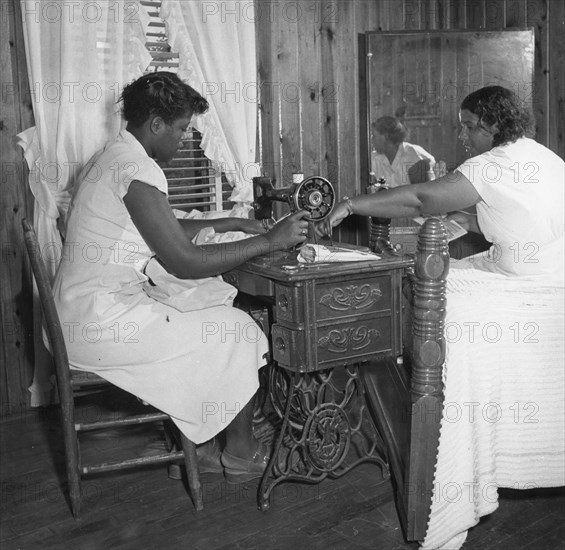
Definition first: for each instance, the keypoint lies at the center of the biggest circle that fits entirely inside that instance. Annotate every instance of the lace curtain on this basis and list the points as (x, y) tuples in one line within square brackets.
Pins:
[(78, 57), (216, 46)]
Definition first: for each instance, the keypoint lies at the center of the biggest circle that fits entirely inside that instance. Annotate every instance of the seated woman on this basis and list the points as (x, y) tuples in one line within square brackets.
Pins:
[(394, 159), (200, 367), (503, 417)]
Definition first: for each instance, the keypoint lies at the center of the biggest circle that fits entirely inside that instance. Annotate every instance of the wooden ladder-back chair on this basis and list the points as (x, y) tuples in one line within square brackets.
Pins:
[(71, 382)]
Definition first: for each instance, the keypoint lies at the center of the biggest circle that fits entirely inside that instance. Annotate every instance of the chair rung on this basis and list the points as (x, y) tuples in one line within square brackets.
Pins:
[(77, 385), (128, 421), (81, 379), (124, 464)]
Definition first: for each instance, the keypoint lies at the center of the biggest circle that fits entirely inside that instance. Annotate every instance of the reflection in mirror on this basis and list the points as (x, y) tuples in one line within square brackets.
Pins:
[(394, 158), (415, 84), (420, 78)]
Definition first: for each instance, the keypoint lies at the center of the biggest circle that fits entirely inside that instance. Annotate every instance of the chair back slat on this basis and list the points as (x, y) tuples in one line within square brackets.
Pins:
[(53, 324)]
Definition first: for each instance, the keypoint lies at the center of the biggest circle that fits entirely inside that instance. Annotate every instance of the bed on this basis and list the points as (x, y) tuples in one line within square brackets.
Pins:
[(477, 401)]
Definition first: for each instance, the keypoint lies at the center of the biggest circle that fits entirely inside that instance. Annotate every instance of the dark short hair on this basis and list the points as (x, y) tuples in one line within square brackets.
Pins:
[(161, 94), (498, 105), (391, 128)]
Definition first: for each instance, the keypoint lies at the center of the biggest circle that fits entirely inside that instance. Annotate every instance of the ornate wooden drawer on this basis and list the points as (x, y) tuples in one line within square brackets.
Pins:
[(324, 301), (329, 345)]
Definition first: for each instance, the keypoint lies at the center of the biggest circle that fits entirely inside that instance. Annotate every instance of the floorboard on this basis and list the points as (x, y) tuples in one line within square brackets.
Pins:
[(145, 510)]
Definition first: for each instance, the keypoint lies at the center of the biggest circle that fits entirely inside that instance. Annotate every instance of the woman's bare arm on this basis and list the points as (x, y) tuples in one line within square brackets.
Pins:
[(155, 221), (451, 192)]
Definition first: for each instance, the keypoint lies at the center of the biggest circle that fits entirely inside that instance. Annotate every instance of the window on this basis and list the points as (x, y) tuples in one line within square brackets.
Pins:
[(194, 181)]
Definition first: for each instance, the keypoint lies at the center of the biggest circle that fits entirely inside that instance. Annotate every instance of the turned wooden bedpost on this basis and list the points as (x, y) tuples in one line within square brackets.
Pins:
[(379, 228), (428, 356)]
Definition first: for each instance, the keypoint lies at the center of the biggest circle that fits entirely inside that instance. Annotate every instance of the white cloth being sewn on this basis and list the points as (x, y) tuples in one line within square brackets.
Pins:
[(186, 294), (317, 253)]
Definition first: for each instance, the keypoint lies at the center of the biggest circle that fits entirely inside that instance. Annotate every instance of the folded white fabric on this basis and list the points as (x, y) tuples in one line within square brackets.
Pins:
[(208, 235), (310, 253), (238, 211), (186, 294)]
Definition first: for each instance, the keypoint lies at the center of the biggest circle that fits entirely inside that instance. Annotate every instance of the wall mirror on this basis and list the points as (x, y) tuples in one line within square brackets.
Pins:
[(422, 77)]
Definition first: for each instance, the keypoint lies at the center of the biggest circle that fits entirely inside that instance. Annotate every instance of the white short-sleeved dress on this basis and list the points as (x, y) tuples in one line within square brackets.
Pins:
[(522, 185), (201, 366), (396, 174)]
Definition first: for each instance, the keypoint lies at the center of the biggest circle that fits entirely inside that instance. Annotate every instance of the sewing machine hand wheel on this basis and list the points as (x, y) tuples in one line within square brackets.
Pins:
[(315, 195)]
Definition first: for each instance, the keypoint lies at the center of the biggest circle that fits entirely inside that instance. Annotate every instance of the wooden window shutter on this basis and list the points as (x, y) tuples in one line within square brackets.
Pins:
[(194, 181)]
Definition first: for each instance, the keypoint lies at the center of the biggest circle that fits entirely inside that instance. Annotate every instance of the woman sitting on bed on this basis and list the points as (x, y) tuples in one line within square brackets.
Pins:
[(199, 366), (515, 183), (503, 417)]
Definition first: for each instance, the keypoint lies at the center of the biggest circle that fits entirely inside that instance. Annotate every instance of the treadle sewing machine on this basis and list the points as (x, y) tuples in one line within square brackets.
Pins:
[(337, 333), (326, 320), (314, 194)]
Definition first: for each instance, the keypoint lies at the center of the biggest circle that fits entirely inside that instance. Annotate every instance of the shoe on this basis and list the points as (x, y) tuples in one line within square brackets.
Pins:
[(209, 457), (209, 462), (241, 470)]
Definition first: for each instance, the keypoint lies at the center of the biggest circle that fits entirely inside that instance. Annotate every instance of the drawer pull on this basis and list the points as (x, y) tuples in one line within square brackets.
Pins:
[(280, 345), (283, 302)]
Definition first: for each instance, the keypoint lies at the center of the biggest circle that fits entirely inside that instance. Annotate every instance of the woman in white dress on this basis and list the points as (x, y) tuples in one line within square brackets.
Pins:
[(200, 366), (396, 160), (517, 187)]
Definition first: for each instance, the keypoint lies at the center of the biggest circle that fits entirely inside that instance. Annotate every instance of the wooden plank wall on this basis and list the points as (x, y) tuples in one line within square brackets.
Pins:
[(307, 53), (310, 121), (16, 338)]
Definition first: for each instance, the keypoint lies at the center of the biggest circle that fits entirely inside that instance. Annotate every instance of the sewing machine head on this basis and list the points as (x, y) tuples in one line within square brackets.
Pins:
[(314, 194)]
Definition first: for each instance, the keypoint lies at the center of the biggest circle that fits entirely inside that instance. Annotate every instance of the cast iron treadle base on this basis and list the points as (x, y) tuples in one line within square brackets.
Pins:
[(326, 428)]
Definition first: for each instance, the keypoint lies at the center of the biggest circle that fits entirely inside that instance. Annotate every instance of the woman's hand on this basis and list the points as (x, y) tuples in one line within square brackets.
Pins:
[(289, 231), (256, 227), (338, 214)]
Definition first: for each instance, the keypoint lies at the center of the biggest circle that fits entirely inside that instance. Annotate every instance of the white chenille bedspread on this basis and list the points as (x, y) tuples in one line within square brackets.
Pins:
[(503, 418)]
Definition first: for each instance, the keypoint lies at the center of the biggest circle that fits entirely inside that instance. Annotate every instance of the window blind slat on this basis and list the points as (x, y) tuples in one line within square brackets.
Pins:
[(164, 56), (187, 188), (196, 163), (179, 168), (193, 181)]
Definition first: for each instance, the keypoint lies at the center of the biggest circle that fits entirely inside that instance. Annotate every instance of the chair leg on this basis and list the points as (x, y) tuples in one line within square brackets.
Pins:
[(73, 474), (74, 492), (191, 464), (72, 461)]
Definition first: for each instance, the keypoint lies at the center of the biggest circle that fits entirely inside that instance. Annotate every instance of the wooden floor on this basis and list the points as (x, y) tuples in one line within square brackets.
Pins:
[(143, 509)]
